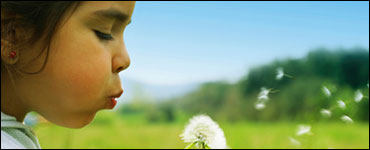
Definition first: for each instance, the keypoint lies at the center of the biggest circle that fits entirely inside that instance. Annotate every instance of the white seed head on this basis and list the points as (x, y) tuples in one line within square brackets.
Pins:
[(202, 128), (263, 95), (325, 112), (294, 142), (358, 96), (304, 129), (346, 119), (326, 91), (279, 73), (341, 104), (260, 105)]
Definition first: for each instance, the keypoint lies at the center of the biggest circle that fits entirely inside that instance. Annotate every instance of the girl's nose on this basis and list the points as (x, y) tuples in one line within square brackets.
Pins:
[(121, 60)]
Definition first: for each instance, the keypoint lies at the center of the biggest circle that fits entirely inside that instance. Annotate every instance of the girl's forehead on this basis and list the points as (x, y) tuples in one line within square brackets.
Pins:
[(91, 7)]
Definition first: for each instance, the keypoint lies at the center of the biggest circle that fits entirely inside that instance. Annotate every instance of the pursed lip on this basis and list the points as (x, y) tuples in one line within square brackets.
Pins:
[(116, 95), (112, 99), (111, 103)]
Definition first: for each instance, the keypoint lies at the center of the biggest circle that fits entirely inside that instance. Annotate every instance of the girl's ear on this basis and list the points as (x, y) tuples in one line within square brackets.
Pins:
[(9, 51), (9, 54)]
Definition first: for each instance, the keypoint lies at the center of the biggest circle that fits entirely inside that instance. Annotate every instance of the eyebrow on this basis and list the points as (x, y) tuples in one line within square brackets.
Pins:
[(113, 14)]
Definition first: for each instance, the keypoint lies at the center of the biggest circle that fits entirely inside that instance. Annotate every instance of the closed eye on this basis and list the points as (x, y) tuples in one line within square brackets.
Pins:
[(103, 36)]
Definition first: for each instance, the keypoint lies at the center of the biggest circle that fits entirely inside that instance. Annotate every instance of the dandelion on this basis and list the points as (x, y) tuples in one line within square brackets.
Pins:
[(294, 142), (358, 96), (304, 129), (204, 133), (280, 74), (325, 112), (341, 104), (326, 91), (260, 105), (346, 119), (263, 95)]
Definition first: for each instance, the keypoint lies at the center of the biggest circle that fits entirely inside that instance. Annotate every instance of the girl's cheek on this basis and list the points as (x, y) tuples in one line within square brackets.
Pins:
[(87, 80), (82, 77), (81, 67)]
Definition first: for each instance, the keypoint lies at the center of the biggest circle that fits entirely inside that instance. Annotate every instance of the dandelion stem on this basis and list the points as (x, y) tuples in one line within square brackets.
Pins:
[(274, 91), (206, 146), (190, 145), (289, 76)]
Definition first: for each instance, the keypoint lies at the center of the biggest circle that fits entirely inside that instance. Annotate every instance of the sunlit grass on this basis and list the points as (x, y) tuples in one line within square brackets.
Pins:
[(133, 132)]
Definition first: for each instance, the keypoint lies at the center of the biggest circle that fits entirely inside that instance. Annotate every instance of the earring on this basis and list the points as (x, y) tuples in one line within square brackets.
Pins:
[(8, 52), (12, 54)]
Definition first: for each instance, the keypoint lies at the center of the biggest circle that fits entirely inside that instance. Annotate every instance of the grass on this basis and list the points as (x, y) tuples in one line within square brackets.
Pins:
[(112, 131)]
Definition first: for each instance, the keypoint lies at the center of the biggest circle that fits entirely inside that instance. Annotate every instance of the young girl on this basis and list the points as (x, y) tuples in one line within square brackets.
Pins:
[(61, 60)]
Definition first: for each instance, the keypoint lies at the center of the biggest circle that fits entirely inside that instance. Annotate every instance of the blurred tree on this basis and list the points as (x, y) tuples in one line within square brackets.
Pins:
[(343, 71)]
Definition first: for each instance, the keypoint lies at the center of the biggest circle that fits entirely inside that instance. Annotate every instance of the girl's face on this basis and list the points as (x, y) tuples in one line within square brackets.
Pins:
[(85, 57)]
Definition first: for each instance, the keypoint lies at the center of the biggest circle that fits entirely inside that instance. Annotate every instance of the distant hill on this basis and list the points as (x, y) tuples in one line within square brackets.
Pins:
[(153, 92)]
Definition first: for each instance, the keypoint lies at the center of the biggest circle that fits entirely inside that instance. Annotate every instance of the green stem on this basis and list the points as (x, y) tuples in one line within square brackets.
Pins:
[(190, 145), (274, 91), (206, 146), (289, 76)]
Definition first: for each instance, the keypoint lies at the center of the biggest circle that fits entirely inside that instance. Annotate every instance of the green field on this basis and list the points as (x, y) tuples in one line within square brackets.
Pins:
[(112, 131)]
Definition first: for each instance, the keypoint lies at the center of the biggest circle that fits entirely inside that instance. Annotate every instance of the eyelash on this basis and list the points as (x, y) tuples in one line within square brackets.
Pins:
[(103, 36)]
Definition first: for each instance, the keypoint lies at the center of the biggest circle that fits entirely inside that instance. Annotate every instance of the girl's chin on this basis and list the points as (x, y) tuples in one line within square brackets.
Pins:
[(78, 121)]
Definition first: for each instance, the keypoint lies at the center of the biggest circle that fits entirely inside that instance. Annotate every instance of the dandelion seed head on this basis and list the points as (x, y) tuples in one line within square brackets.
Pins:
[(279, 73), (263, 95), (294, 142), (341, 104), (358, 96), (260, 106), (326, 91), (202, 128), (325, 112), (346, 119), (304, 129), (263, 98)]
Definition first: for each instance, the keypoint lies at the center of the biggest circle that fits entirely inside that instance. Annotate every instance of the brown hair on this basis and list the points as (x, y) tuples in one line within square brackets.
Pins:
[(41, 18)]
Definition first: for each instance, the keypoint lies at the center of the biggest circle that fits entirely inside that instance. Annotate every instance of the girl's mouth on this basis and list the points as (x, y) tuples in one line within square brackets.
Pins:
[(112, 102)]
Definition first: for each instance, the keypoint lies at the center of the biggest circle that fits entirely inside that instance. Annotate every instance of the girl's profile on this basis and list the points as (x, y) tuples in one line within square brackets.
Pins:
[(61, 60)]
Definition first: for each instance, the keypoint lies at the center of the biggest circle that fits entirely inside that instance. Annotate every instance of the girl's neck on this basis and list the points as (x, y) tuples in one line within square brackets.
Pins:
[(10, 104)]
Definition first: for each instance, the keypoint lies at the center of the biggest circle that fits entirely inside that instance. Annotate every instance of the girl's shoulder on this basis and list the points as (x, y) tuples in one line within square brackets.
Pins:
[(16, 135), (9, 142)]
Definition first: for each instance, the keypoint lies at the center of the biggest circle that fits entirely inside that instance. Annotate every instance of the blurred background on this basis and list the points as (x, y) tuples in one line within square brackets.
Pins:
[(213, 58)]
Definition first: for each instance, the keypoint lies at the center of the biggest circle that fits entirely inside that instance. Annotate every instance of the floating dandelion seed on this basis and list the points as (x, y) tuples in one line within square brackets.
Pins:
[(260, 106), (279, 74), (325, 112), (358, 96), (341, 104), (263, 95), (204, 133), (346, 119), (304, 129), (326, 91), (294, 142)]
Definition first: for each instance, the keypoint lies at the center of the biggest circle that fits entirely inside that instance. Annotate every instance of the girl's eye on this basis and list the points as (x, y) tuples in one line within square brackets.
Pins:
[(103, 36)]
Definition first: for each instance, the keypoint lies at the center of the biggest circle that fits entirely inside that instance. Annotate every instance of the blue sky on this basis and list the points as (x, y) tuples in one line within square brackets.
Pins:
[(173, 43)]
